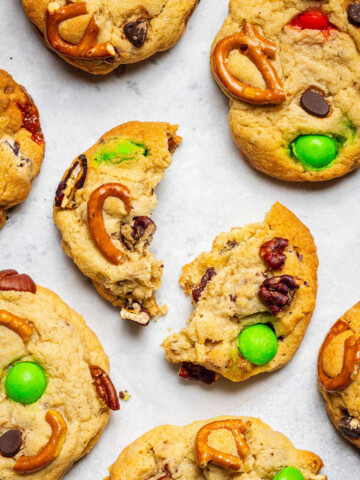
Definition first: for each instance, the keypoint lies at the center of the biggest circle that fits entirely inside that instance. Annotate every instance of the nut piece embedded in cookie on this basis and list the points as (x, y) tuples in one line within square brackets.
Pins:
[(220, 448), (99, 36), (246, 320), (338, 374), (103, 209), (22, 144), (54, 406), (303, 127)]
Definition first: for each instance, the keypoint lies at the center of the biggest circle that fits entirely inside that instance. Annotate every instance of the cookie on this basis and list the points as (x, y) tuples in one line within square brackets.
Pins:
[(290, 69), (103, 206), (98, 36), (22, 144), (241, 447), (338, 374), (253, 295), (55, 393)]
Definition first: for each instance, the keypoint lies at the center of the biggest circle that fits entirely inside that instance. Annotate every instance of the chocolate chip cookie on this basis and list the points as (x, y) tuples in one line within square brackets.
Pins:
[(221, 448), (103, 206), (253, 296), (22, 144), (55, 393), (98, 36), (290, 69), (338, 374)]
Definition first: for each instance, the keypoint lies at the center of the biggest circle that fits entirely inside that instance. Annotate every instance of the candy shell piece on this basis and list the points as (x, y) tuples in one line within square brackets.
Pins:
[(25, 383), (258, 344), (314, 151), (289, 473)]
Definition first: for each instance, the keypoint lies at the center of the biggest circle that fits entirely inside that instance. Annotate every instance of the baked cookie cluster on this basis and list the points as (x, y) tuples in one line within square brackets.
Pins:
[(53, 408), (253, 295), (103, 207), (22, 144), (338, 374), (98, 36), (293, 85), (221, 448)]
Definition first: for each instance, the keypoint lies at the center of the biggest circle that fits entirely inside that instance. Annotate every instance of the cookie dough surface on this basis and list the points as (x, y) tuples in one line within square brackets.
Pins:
[(163, 24), (326, 62), (132, 283), (21, 144), (167, 452), (343, 407), (64, 347), (230, 301)]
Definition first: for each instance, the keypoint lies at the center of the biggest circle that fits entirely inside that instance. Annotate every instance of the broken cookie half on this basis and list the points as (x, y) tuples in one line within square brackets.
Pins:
[(253, 296), (103, 207)]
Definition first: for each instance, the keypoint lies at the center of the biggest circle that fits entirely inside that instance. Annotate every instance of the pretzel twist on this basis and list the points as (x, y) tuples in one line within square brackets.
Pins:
[(16, 324), (96, 220), (351, 359), (87, 48), (258, 49), (206, 454), (51, 450)]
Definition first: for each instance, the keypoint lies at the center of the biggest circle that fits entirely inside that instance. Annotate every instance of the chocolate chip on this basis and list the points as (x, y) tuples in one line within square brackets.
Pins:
[(189, 371), (10, 443), (354, 14), (350, 427), (314, 104), (136, 32)]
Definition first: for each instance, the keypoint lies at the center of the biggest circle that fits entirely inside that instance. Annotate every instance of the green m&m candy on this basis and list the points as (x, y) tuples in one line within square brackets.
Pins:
[(314, 151), (118, 150), (289, 473), (25, 383), (258, 344)]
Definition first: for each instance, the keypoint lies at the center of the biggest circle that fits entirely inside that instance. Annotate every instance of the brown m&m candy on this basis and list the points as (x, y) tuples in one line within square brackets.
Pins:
[(314, 104), (354, 14), (10, 443)]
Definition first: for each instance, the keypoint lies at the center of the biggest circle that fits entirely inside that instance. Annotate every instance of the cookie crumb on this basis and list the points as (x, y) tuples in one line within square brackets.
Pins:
[(124, 395)]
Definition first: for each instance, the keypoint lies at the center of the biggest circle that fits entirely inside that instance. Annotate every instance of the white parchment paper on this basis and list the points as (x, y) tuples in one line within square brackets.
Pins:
[(208, 189)]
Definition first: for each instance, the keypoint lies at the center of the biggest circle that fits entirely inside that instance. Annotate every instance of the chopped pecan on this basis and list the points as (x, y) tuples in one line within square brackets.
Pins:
[(12, 280), (197, 291), (104, 387), (73, 180), (350, 427), (277, 292), (272, 253), (135, 312), (136, 32), (189, 371)]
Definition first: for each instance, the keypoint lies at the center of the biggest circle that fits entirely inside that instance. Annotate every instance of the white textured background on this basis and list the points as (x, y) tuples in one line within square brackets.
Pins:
[(208, 188)]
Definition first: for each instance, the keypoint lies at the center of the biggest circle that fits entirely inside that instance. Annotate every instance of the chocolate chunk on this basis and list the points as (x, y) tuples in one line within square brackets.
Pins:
[(314, 104), (136, 32), (350, 427), (354, 14), (10, 443), (189, 371)]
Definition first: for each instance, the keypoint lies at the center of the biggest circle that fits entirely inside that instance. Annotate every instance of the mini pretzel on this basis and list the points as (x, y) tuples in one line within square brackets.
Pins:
[(16, 324), (351, 359), (258, 49), (51, 450), (206, 454), (96, 220), (87, 48)]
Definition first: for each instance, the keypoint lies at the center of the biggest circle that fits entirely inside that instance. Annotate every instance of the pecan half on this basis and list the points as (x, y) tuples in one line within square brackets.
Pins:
[(12, 280), (135, 312), (350, 427), (136, 32), (142, 230), (272, 253), (104, 387), (277, 292), (73, 180), (189, 371), (197, 291)]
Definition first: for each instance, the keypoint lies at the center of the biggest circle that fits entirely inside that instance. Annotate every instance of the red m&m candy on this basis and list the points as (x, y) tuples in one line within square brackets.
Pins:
[(313, 20)]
